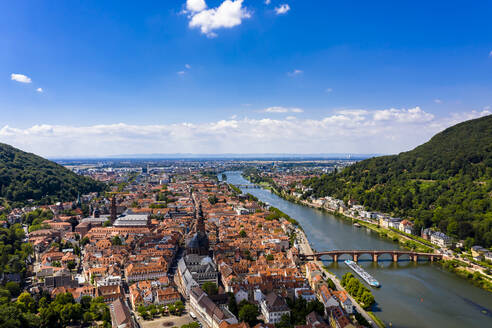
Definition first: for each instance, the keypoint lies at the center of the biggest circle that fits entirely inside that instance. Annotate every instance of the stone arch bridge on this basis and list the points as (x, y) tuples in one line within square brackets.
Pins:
[(355, 254)]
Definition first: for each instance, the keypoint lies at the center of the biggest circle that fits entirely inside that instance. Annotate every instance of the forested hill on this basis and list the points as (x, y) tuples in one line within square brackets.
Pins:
[(25, 176), (445, 183)]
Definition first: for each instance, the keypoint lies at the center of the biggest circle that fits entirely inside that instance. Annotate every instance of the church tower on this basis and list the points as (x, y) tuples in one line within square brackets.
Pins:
[(112, 216), (198, 244)]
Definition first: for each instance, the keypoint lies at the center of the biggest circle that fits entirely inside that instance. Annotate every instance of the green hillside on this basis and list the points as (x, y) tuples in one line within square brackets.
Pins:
[(25, 176), (445, 183)]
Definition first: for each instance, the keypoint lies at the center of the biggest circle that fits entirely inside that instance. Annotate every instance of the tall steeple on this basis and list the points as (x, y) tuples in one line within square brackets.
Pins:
[(113, 209), (198, 244), (200, 223)]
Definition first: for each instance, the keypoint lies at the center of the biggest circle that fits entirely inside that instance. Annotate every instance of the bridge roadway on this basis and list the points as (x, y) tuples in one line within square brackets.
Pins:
[(395, 255)]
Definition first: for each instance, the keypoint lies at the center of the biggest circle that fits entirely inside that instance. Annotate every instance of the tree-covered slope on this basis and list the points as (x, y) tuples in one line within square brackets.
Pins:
[(445, 183), (26, 176)]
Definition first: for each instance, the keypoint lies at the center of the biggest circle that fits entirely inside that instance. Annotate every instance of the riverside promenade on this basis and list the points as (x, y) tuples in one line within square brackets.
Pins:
[(305, 249)]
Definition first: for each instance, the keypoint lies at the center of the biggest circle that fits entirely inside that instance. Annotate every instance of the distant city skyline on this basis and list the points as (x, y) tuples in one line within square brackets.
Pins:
[(121, 77)]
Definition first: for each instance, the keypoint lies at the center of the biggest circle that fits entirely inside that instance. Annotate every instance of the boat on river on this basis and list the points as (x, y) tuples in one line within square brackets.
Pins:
[(362, 273)]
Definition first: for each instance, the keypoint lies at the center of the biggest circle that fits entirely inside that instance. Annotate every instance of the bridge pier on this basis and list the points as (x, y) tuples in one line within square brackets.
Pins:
[(355, 257), (335, 257), (375, 257), (395, 257), (415, 258)]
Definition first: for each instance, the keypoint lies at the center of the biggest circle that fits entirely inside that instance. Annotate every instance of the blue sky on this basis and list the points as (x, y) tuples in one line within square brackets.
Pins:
[(239, 76)]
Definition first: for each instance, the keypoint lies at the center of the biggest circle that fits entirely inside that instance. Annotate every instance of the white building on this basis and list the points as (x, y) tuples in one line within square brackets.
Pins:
[(406, 226), (109, 281), (241, 295), (440, 239), (273, 307)]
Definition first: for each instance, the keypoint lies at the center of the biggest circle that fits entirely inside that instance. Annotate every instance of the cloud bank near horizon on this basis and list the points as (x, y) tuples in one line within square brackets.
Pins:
[(344, 131)]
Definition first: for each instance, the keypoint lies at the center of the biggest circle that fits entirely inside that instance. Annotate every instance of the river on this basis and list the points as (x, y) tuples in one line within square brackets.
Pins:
[(412, 294)]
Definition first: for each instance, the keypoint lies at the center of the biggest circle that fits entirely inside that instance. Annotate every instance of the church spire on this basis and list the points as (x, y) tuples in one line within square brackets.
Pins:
[(113, 209), (200, 223)]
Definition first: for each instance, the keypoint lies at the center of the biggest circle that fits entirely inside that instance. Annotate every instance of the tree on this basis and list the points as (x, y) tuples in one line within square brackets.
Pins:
[(315, 306), (71, 265), (210, 288), (26, 302), (193, 324), (84, 241), (249, 314), (284, 322), (331, 284), (87, 317), (116, 240), (179, 308), (11, 316), (242, 234), (232, 304), (73, 222), (85, 301), (13, 288), (368, 299), (213, 199)]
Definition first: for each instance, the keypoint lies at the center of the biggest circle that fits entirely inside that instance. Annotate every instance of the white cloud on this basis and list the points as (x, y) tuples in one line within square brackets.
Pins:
[(295, 72), (343, 131), (181, 73), (282, 9), (490, 53), (267, 2), (20, 78), (413, 115), (230, 13), (280, 109), (328, 90), (438, 101), (39, 90), (187, 66), (195, 5)]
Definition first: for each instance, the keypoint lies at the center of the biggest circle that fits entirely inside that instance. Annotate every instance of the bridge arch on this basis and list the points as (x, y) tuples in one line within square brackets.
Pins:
[(406, 257), (384, 256), (365, 257)]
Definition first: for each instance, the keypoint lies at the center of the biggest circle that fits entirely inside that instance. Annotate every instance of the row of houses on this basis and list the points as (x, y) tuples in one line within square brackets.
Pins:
[(359, 212)]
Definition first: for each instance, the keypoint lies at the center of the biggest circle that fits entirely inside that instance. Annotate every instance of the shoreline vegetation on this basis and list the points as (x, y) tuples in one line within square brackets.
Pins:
[(414, 243)]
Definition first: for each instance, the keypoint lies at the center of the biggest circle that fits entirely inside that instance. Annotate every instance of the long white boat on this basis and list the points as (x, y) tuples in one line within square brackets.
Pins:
[(362, 273)]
